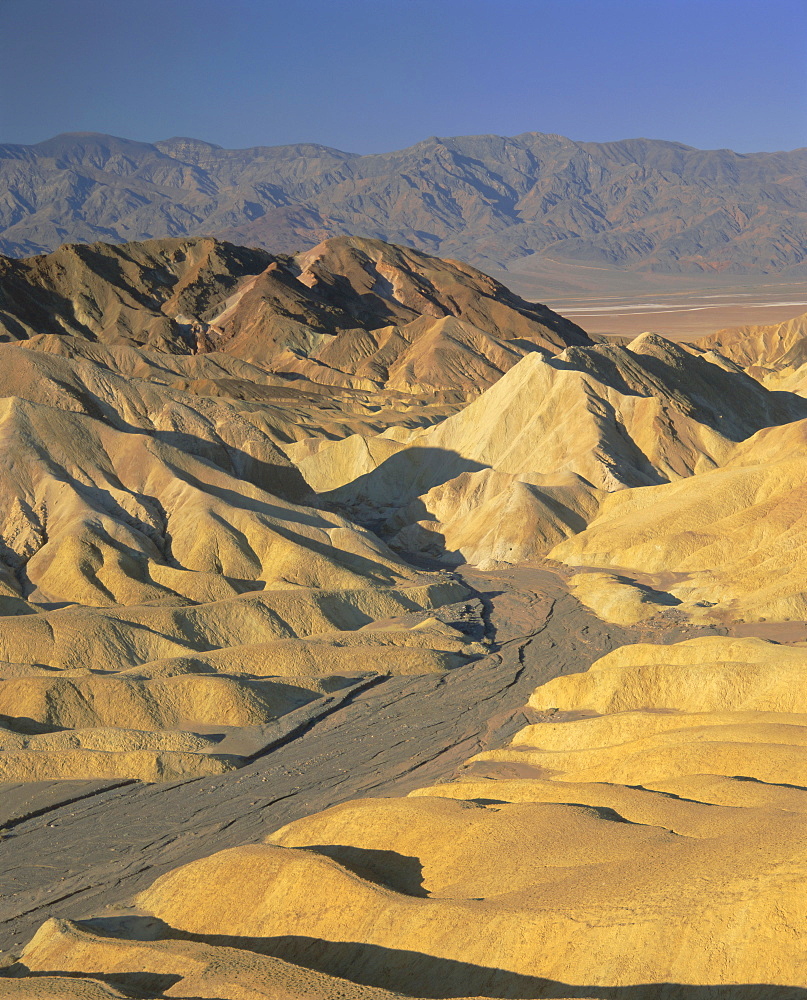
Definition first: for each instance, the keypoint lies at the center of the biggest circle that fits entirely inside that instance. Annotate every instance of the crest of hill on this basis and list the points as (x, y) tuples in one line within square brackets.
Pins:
[(349, 312), (618, 416), (639, 203), (724, 545), (528, 462)]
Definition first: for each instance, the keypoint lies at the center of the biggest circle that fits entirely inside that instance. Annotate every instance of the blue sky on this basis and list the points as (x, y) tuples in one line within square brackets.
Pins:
[(377, 75)]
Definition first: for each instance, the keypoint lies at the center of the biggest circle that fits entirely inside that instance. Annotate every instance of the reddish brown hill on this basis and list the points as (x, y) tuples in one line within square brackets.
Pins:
[(350, 308)]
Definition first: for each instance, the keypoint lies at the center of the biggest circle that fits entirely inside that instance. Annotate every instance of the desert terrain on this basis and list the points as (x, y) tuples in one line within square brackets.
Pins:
[(369, 629), (619, 303)]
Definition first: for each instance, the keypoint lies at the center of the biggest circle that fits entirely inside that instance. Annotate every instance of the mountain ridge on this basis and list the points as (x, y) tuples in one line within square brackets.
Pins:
[(197, 295), (491, 200)]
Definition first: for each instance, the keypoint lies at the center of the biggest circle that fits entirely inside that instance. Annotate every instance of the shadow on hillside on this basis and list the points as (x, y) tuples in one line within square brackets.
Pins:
[(398, 872), (414, 973), (404, 476), (650, 594), (284, 481)]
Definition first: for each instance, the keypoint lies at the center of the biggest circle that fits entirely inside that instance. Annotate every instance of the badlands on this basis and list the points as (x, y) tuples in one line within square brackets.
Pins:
[(369, 631)]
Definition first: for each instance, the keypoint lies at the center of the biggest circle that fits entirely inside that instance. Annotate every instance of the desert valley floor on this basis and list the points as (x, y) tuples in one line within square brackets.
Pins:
[(369, 631)]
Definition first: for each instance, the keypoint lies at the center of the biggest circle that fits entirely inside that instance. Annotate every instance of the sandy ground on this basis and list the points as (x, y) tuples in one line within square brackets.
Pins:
[(75, 849), (684, 321), (680, 307)]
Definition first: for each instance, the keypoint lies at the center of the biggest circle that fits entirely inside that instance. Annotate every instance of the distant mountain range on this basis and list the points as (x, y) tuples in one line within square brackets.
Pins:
[(489, 200)]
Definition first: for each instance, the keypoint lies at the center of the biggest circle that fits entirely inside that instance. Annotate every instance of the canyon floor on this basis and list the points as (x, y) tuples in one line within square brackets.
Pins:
[(75, 849)]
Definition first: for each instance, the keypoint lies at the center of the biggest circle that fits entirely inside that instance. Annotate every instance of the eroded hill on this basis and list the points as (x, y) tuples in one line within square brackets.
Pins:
[(235, 490)]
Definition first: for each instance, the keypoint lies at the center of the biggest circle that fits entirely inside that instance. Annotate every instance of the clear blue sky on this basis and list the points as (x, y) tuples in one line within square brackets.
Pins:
[(377, 75)]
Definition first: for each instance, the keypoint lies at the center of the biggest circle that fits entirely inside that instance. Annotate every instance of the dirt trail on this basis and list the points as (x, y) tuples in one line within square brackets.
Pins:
[(71, 849)]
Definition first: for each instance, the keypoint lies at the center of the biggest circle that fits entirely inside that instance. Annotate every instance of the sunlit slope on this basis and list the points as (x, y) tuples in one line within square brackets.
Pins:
[(757, 346), (726, 544), (151, 691), (528, 463)]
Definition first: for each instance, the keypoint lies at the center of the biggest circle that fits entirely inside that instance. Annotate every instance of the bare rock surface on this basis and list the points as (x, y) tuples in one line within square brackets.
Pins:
[(637, 839), (536, 457), (349, 311), (756, 346), (260, 738), (726, 545), (166, 595)]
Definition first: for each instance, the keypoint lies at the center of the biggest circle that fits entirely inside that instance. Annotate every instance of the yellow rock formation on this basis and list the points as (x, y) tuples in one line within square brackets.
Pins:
[(778, 345), (126, 692), (527, 464), (195, 969), (194, 454), (723, 545)]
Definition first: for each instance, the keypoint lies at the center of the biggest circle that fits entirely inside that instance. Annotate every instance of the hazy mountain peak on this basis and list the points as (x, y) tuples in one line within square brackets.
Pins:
[(185, 148)]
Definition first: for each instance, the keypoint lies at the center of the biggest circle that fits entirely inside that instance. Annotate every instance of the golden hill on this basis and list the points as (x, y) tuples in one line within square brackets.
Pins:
[(151, 396), (724, 545), (217, 466), (528, 463), (756, 346), (158, 575)]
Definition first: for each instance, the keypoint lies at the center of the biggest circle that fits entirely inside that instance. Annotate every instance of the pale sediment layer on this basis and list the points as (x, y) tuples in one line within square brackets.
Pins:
[(151, 692)]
